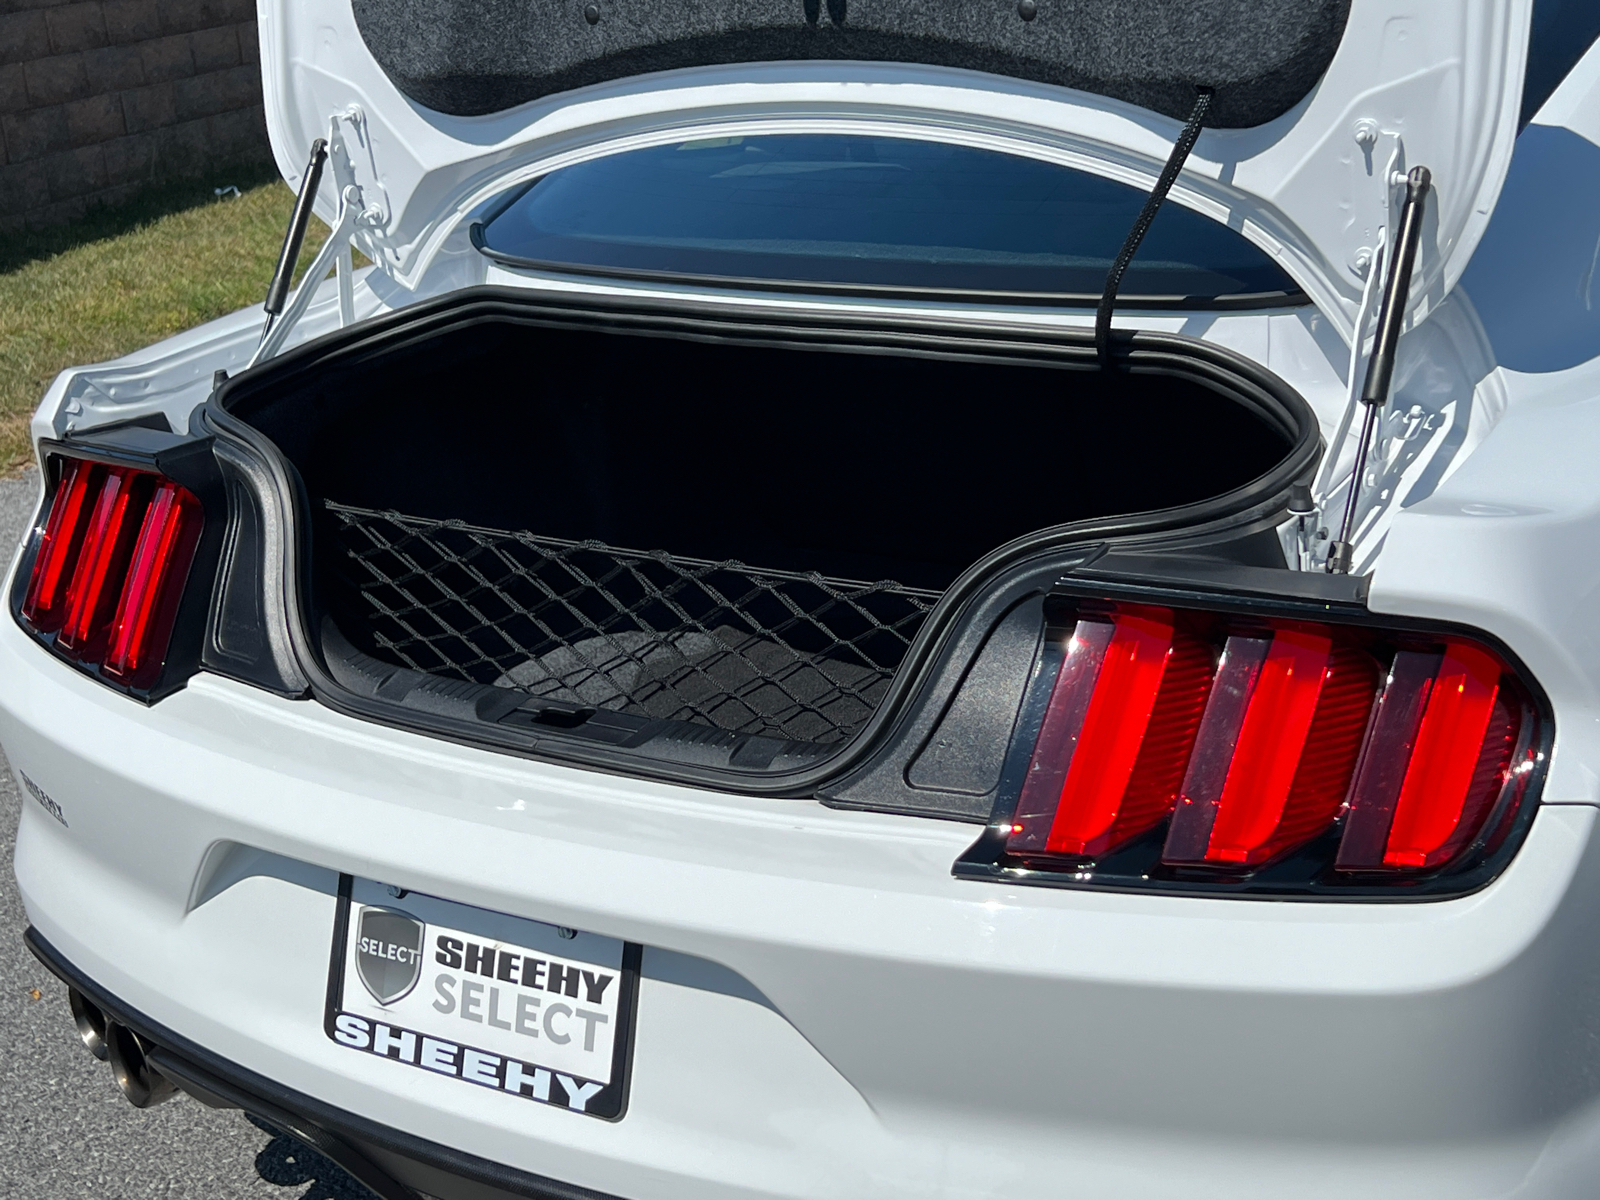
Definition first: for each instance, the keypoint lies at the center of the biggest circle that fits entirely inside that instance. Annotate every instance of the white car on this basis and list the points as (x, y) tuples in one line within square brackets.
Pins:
[(776, 645)]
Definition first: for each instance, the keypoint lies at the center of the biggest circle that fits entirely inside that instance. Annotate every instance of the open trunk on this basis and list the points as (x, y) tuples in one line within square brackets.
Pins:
[(703, 540)]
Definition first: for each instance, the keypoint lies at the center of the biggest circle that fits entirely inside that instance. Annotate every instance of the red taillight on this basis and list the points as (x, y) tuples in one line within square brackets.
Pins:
[(46, 604), (1223, 746), (110, 567), (101, 565), (148, 606), (1289, 752), (1446, 708), (1116, 736)]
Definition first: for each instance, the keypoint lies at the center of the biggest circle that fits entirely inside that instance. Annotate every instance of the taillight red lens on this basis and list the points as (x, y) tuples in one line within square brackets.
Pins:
[(1447, 709), (1224, 746), (46, 604), (110, 566), (1289, 752), (1116, 736), (102, 561), (149, 604)]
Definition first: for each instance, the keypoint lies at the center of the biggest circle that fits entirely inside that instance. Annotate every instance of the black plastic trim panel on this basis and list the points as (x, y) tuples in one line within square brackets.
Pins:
[(395, 1164), (247, 637)]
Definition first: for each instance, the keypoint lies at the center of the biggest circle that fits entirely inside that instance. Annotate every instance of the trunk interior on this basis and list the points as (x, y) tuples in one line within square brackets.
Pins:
[(625, 534)]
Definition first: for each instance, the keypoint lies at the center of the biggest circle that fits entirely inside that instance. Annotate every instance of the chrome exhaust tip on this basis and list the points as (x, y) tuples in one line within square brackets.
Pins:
[(140, 1082), (91, 1023)]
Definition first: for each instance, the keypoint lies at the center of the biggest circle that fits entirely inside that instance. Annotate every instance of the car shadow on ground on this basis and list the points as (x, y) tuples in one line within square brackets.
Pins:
[(289, 1163), (159, 200)]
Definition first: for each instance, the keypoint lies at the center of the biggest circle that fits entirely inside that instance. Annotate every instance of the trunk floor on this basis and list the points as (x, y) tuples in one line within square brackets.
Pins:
[(719, 644)]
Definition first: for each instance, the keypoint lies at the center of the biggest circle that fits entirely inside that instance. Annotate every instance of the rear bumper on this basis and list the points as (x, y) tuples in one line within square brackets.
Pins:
[(824, 1011), (394, 1165)]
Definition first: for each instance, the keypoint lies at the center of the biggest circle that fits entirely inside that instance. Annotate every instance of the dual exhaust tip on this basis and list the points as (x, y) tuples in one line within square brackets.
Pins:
[(125, 1050)]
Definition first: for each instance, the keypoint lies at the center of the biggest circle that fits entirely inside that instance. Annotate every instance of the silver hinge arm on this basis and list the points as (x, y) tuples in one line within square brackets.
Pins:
[(339, 240), (354, 210)]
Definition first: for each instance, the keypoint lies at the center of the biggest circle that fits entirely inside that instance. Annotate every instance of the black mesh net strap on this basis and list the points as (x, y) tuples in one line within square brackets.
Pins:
[(720, 644)]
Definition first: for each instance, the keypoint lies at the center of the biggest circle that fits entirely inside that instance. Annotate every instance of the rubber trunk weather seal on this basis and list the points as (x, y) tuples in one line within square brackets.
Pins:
[(1043, 554), (1227, 302)]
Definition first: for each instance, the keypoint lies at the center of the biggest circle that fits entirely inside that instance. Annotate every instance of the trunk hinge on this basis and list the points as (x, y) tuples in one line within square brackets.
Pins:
[(1371, 198), (354, 213)]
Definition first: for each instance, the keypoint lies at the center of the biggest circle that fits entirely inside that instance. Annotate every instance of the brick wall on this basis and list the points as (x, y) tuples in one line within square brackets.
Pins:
[(100, 99)]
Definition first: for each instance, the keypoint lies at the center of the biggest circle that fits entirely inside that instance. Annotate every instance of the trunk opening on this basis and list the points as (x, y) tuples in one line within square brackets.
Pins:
[(699, 547)]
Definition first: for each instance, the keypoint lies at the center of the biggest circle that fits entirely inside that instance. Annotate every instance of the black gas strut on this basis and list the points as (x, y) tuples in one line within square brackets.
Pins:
[(278, 289), (1380, 367), (1152, 205)]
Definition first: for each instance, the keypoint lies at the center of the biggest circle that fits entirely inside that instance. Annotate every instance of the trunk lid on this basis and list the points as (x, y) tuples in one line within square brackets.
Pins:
[(435, 106)]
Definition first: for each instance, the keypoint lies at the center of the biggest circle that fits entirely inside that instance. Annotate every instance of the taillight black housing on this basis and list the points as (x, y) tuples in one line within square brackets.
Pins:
[(1198, 750), (115, 578)]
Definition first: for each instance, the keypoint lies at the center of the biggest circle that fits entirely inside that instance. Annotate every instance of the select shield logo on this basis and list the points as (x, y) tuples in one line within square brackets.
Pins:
[(389, 953)]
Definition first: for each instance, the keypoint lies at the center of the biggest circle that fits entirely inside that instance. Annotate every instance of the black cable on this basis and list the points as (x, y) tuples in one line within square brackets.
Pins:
[(1147, 215)]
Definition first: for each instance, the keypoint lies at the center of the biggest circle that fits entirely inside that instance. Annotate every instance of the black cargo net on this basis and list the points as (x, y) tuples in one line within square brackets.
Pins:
[(720, 644)]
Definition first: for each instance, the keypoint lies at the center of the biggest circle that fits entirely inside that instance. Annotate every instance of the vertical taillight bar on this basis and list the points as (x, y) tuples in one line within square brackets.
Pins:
[(1435, 795), (1440, 749), (1236, 824), (1059, 734), (1116, 736), (1290, 761), (1114, 729), (92, 593), (149, 602), (45, 605)]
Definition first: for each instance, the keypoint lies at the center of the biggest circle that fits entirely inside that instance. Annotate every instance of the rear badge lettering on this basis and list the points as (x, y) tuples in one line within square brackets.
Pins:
[(39, 794)]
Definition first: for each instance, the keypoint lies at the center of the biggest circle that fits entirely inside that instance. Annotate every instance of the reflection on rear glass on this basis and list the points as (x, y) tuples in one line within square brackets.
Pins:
[(872, 211)]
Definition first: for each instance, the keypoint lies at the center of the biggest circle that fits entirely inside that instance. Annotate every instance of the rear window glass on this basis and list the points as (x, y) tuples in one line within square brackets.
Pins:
[(1562, 32), (870, 212)]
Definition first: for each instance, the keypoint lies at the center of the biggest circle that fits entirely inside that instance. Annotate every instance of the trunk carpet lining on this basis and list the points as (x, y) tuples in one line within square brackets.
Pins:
[(469, 57)]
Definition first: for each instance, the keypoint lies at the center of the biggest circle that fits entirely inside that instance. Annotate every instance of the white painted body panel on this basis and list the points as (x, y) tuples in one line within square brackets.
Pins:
[(826, 1012), (849, 1019)]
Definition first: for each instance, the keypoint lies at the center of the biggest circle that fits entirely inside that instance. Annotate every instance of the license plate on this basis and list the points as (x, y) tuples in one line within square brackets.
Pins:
[(524, 1009)]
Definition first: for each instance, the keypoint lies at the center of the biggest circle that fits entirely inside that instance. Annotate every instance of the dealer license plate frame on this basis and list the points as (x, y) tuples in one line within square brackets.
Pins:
[(610, 1104)]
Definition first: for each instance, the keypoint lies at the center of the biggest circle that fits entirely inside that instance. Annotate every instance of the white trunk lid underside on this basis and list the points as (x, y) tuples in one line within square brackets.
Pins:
[(1436, 84)]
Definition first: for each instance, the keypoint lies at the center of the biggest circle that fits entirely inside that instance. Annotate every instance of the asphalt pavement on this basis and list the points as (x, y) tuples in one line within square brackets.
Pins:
[(65, 1130)]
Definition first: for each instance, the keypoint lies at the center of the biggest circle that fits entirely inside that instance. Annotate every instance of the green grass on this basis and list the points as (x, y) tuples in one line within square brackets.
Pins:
[(123, 278)]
